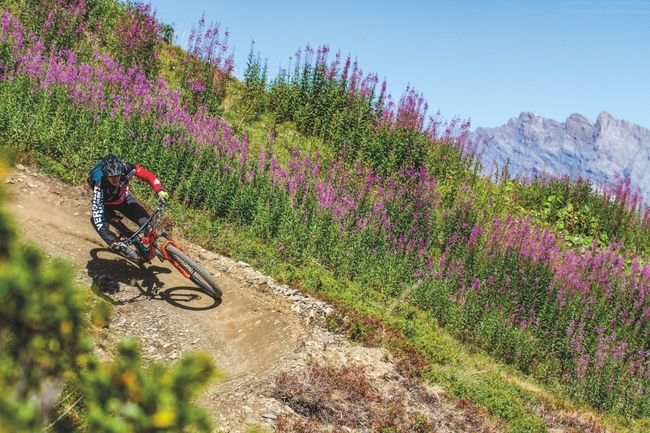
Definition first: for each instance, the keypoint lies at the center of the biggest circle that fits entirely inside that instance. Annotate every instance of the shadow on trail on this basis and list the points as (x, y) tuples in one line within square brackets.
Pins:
[(107, 274)]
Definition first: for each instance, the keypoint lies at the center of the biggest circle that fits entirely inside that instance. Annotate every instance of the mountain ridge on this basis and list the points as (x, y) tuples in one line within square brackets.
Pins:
[(602, 151)]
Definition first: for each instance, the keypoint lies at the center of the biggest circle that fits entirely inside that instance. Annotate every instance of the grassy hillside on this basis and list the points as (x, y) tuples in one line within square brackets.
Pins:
[(515, 294)]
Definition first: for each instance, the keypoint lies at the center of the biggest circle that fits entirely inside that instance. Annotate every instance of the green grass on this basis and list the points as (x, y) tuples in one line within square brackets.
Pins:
[(427, 352)]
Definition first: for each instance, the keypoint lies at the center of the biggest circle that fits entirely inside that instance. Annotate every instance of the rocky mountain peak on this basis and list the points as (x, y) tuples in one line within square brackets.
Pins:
[(598, 150), (529, 117), (580, 128), (606, 120)]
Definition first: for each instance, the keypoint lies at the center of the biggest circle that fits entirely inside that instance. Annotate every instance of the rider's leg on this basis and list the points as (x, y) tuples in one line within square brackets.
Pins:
[(110, 215), (133, 210)]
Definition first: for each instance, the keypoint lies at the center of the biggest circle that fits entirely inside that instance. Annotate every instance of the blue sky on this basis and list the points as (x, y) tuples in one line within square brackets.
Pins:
[(483, 60)]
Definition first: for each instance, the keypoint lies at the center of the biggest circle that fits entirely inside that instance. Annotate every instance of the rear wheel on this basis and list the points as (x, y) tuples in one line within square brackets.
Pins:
[(197, 274)]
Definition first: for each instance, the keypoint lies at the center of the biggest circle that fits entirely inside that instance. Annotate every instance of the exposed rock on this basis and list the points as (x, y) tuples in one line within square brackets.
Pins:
[(578, 147)]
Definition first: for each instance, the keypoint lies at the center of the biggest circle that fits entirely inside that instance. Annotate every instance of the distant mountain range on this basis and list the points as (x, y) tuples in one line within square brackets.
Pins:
[(578, 146)]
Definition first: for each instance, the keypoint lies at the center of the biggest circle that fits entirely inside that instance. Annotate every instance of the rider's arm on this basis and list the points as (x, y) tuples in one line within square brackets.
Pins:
[(98, 216), (146, 175)]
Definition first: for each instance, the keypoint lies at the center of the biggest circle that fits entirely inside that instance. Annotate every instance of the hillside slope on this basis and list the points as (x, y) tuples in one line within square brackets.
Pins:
[(259, 330)]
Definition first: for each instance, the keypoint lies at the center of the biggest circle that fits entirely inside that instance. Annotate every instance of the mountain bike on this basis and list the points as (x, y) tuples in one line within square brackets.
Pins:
[(147, 242)]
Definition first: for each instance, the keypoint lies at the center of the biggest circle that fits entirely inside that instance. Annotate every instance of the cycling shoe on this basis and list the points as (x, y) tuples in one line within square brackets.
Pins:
[(127, 253)]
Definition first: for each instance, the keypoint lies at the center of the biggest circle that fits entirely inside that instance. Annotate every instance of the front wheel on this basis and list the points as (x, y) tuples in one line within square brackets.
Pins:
[(197, 274)]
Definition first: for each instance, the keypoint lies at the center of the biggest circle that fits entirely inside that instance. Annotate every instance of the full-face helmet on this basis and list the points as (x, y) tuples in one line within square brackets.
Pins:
[(112, 166)]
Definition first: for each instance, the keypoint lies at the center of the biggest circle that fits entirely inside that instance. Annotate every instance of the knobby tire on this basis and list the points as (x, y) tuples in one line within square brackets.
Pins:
[(197, 274)]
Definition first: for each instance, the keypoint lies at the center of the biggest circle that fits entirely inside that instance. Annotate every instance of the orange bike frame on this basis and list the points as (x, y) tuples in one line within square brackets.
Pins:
[(170, 258)]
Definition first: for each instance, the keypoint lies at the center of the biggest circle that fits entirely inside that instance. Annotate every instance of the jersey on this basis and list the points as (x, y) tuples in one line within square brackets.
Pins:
[(105, 194)]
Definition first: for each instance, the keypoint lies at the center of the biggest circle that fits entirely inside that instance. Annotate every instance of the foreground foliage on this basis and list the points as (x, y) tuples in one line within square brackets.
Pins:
[(49, 375)]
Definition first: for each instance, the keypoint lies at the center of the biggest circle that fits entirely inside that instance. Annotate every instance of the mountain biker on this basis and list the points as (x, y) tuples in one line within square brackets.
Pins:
[(109, 180)]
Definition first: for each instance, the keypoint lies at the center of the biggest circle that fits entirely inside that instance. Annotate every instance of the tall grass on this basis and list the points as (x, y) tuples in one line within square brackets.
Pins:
[(337, 103)]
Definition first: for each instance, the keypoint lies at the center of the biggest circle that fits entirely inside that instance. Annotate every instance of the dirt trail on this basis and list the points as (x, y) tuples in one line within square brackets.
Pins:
[(258, 330), (249, 332)]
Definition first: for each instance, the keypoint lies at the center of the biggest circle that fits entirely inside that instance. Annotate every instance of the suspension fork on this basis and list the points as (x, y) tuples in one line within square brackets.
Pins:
[(171, 259)]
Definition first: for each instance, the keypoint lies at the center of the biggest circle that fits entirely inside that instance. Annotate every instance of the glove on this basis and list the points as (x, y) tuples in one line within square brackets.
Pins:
[(162, 197), (118, 246), (121, 248)]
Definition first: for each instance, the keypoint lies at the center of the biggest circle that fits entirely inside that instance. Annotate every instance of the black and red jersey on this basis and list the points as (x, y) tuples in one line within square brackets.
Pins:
[(106, 194)]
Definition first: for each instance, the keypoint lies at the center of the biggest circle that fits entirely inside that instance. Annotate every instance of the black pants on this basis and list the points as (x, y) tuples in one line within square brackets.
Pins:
[(130, 208)]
